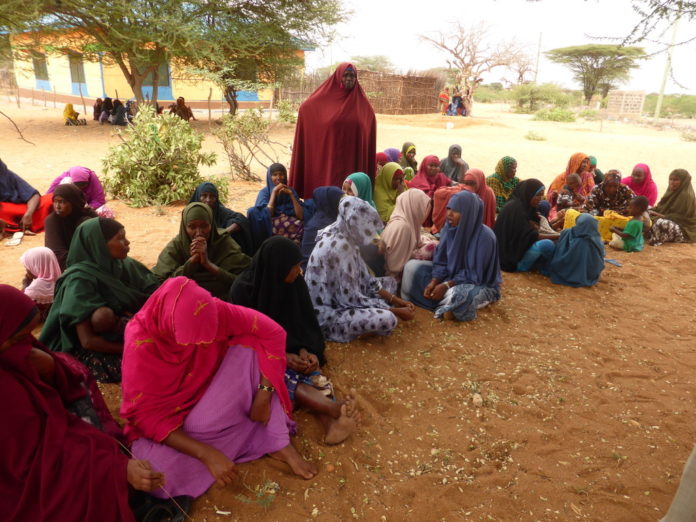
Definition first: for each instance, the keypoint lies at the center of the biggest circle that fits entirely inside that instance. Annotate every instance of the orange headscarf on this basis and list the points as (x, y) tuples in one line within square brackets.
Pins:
[(586, 185)]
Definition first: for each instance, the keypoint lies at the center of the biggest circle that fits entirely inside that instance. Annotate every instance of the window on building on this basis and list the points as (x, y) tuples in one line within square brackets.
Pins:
[(163, 79), (40, 66), (77, 69)]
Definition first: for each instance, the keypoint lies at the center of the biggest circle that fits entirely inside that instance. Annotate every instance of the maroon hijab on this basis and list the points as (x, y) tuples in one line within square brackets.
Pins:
[(55, 465), (335, 136)]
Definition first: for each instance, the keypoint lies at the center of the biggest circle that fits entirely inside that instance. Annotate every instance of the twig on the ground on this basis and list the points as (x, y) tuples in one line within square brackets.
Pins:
[(21, 136)]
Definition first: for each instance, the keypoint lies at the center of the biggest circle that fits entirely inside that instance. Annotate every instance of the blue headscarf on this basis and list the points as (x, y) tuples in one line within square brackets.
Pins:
[(326, 200), (283, 203), (467, 253), (393, 154), (579, 256)]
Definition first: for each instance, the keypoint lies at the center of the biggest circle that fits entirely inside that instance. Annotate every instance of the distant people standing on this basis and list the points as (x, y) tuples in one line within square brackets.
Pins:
[(336, 134), (444, 100)]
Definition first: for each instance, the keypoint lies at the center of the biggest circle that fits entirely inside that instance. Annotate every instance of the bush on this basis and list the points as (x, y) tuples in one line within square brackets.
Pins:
[(688, 136), (531, 96), (491, 94), (157, 163), (533, 136), (555, 114), (588, 114), (287, 112)]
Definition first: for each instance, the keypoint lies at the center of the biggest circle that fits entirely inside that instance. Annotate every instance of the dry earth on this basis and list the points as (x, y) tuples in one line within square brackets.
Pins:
[(588, 394)]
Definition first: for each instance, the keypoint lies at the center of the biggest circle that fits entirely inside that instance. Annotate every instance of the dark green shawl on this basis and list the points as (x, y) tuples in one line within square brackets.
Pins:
[(680, 205), (93, 279), (222, 251)]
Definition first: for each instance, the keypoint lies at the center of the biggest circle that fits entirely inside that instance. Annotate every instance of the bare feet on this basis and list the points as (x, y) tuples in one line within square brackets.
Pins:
[(340, 429), (297, 463)]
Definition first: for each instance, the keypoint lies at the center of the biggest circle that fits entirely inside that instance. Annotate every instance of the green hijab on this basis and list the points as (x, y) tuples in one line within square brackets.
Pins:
[(680, 205), (363, 183), (385, 195), (223, 251), (93, 279)]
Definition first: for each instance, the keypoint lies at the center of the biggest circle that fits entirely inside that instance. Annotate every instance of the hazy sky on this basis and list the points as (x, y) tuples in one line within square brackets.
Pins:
[(392, 28)]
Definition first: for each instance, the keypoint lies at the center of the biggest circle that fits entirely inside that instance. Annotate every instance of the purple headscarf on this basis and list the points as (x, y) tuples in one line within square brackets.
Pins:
[(393, 154), (467, 253), (94, 192)]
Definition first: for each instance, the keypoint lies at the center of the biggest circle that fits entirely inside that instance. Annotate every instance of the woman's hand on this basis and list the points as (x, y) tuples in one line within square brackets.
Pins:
[(655, 214), (220, 466), (429, 289), (140, 475), (405, 314), (199, 247), (439, 292), (296, 363), (401, 303), (311, 360)]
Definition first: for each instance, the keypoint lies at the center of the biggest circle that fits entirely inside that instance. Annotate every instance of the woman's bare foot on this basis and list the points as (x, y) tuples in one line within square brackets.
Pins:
[(340, 429), (297, 463)]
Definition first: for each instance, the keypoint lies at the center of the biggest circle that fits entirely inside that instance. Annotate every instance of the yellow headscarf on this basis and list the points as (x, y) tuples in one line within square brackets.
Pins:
[(385, 195), (69, 112)]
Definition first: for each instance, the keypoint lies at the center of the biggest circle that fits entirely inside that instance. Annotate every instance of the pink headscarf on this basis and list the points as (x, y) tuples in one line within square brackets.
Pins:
[(175, 344), (42, 263), (94, 192), (485, 193), (648, 188), (425, 183)]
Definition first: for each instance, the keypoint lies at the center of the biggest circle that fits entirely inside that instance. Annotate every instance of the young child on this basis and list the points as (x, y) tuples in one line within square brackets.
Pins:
[(630, 238), (569, 196)]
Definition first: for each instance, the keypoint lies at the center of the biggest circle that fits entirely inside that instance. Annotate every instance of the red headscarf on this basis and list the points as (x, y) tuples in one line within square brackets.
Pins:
[(336, 135), (175, 344), (56, 466), (426, 183), (485, 193), (381, 158), (648, 188)]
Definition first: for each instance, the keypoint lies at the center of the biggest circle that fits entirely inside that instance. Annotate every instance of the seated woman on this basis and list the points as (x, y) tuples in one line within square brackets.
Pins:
[(348, 301), (429, 177), (597, 175), (675, 213), (579, 163), (119, 114), (72, 117), (202, 252), (107, 110), (21, 205), (42, 272), (407, 159), (234, 223), (203, 389), (579, 256), (273, 285), (388, 185), (453, 165), (393, 154), (381, 159), (278, 210), (402, 235), (69, 211), (521, 244), (100, 289), (359, 185), (65, 463), (465, 273), (326, 200), (182, 110), (610, 194), (440, 201), (97, 108), (87, 181), (475, 181), (641, 183), (503, 181)]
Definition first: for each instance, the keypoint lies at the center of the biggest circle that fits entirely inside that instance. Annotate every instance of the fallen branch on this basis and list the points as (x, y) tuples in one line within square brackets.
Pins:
[(21, 136)]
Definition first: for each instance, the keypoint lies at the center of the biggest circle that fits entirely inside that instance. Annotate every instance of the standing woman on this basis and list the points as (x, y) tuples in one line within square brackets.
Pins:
[(675, 213), (444, 100), (347, 299), (234, 223), (641, 183), (453, 165), (520, 243), (503, 181), (202, 252), (100, 289), (388, 185), (359, 185), (465, 273), (69, 211), (475, 181)]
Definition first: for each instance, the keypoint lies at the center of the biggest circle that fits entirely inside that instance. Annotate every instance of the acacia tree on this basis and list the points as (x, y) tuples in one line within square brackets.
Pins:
[(469, 52), (595, 64)]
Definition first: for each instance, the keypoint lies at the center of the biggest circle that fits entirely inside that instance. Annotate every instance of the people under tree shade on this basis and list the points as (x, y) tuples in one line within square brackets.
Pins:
[(69, 212), (335, 135), (475, 181), (453, 165), (65, 462), (522, 246), (71, 116), (402, 235), (87, 181), (464, 275), (610, 194), (234, 223), (676, 212), (503, 181), (359, 184), (107, 110), (348, 300), (96, 294), (579, 256), (119, 114), (326, 201), (641, 183), (202, 252), (278, 211), (273, 284), (388, 185), (21, 205), (579, 164), (203, 389)]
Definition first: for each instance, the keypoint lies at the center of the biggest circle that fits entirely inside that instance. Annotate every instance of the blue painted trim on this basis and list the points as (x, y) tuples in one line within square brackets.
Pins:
[(163, 93), (250, 96), (76, 89), (43, 85), (101, 73)]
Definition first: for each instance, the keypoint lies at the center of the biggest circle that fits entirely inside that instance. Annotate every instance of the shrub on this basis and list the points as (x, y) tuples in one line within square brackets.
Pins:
[(531, 96), (493, 93), (588, 114), (688, 136), (533, 136), (157, 163), (555, 114), (287, 112)]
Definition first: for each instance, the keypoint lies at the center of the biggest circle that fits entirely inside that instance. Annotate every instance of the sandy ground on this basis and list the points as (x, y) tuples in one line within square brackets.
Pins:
[(588, 394)]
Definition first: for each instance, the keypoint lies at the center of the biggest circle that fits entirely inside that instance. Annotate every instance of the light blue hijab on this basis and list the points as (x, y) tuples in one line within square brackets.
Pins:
[(579, 256)]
